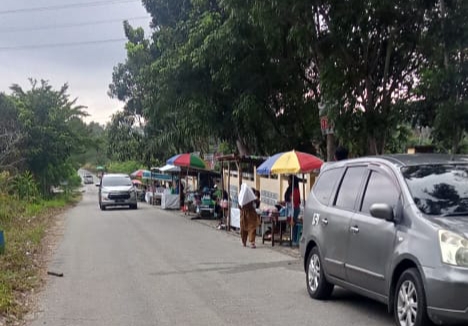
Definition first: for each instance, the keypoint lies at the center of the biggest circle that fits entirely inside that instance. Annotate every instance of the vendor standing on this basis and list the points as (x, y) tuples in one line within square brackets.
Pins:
[(293, 208)]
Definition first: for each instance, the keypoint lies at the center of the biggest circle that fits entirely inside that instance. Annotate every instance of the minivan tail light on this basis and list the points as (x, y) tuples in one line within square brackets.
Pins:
[(454, 248)]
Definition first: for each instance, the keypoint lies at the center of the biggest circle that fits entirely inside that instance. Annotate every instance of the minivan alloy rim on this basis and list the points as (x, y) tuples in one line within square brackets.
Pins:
[(407, 304), (314, 272)]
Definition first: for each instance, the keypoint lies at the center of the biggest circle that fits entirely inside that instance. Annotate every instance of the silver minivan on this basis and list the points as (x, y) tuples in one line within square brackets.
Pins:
[(117, 190), (395, 229)]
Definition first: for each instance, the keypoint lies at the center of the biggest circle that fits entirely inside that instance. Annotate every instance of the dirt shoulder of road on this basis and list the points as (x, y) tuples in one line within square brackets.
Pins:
[(27, 286), (50, 242)]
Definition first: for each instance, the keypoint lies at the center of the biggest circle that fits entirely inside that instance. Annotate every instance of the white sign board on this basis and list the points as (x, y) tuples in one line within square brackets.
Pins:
[(235, 217)]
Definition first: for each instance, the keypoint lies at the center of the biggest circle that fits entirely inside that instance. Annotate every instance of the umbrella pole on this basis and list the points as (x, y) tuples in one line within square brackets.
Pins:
[(292, 217), (303, 189), (222, 190), (152, 187), (186, 186), (228, 227)]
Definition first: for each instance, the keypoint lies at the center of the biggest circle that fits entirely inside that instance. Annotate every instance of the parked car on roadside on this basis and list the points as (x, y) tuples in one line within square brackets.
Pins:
[(395, 229), (117, 190)]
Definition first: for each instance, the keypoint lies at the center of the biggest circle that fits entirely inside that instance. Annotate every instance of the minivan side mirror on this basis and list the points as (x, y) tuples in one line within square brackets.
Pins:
[(383, 211)]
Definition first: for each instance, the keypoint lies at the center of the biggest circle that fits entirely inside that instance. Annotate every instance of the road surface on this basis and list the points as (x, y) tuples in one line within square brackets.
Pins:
[(153, 267)]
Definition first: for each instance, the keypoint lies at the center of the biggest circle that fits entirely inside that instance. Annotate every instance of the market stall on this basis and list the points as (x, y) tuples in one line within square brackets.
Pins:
[(170, 201), (185, 162), (244, 172), (152, 182), (292, 163)]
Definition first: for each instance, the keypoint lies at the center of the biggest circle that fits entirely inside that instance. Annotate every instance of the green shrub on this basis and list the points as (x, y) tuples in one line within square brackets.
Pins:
[(124, 167), (25, 187)]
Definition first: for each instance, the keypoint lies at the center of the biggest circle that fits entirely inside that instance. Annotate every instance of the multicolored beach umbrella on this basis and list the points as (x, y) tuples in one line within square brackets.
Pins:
[(187, 160), (290, 163)]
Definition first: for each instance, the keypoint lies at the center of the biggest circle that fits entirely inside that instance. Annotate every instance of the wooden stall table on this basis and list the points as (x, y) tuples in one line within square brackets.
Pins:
[(277, 227)]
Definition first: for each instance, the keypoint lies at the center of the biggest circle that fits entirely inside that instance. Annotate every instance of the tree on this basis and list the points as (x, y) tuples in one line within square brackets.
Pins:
[(128, 84), (125, 142), (370, 60), (95, 145), (444, 80), (216, 73), (10, 134), (52, 128)]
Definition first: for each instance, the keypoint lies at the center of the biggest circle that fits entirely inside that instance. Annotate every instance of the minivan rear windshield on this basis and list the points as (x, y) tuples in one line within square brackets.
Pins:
[(439, 189), (116, 181)]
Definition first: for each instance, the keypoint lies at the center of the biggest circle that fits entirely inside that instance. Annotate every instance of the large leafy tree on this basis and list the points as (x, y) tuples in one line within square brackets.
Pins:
[(371, 57), (128, 82), (252, 73), (219, 71), (444, 81), (52, 127)]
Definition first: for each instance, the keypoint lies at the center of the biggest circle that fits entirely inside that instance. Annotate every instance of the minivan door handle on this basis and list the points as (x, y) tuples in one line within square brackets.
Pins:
[(325, 221), (354, 229)]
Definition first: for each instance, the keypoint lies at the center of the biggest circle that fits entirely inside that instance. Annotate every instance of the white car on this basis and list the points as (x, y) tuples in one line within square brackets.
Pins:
[(117, 190)]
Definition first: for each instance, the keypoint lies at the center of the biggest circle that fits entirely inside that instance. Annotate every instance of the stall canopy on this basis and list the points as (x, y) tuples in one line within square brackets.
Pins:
[(148, 175), (187, 160), (169, 168), (140, 173), (292, 162)]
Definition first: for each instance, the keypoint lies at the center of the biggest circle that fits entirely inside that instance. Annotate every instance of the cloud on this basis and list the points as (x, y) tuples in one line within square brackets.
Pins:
[(86, 68)]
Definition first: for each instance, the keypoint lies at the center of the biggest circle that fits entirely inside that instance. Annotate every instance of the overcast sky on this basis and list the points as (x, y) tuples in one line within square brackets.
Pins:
[(25, 25)]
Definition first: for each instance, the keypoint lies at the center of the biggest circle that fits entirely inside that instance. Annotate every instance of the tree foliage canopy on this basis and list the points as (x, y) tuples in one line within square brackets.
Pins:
[(253, 74), (44, 128)]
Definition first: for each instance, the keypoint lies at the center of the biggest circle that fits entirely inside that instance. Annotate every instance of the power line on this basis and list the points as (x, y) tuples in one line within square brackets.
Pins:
[(67, 6), (59, 45), (49, 27)]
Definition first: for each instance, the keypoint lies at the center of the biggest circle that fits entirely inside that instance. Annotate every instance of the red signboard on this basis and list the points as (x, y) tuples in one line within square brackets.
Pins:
[(325, 126)]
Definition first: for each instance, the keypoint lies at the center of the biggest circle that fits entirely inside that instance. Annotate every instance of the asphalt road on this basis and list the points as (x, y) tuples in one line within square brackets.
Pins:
[(153, 267)]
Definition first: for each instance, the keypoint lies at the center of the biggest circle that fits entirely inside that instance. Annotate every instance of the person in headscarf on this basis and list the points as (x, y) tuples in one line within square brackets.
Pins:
[(248, 220), (248, 224)]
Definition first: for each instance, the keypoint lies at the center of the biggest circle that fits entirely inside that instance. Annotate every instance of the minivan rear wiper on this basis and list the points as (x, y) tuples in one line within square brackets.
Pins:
[(455, 214)]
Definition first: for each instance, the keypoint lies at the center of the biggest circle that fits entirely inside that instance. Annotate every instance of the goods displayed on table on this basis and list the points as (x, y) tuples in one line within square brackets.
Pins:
[(277, 217)]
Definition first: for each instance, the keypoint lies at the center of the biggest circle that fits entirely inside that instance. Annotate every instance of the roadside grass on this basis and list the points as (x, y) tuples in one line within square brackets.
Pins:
[(24, 226)]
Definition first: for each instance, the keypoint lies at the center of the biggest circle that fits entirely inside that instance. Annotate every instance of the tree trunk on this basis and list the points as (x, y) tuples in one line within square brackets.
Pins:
[(373, 148), (442, 12), (457, 136), (330, 147)]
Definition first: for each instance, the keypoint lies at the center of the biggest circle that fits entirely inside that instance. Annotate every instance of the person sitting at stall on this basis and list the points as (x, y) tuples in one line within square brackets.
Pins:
[(216, 196), (143, 193), (257, 196)]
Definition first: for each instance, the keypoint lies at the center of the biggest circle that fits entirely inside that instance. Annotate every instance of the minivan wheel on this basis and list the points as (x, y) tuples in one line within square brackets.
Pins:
[(102, 207), (409, 304), (317, 285)]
